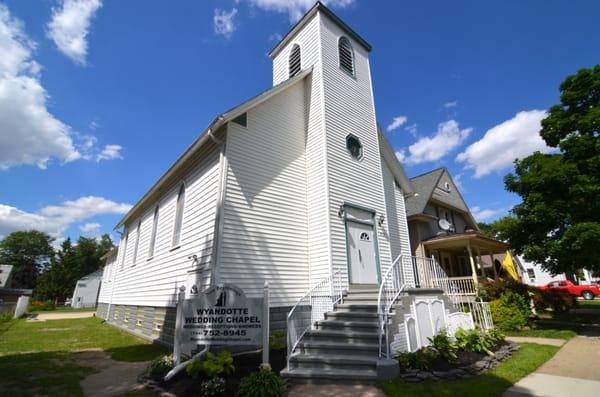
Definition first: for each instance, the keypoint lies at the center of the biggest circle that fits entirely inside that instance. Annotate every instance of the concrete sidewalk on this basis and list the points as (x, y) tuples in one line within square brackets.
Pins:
[(573, 371), (59, 315)]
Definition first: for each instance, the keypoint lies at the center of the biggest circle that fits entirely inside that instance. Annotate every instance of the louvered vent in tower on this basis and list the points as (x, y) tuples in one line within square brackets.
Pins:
[(295, 62), (346, 55)]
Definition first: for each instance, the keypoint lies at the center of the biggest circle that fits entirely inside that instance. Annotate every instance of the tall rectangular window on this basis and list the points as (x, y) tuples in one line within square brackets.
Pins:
[(178, 216), (153, 235), (124, 250), (137, 242)]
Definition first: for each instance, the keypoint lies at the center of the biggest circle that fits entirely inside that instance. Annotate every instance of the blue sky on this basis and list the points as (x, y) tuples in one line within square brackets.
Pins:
[(98, 98)]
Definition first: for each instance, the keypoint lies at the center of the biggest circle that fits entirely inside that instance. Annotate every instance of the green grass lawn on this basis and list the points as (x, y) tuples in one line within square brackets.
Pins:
[(544, 333), (490, 384), (595, 304), (37, 354), (63, 309)]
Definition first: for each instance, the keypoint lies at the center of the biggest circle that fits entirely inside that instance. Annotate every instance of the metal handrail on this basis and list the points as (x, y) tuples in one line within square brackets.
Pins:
[(312, 308)]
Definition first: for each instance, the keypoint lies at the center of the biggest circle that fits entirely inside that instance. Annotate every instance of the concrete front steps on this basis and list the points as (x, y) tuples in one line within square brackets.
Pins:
[(344, 347)]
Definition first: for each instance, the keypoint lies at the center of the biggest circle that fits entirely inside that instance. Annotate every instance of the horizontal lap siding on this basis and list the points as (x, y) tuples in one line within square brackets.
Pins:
[(153, 281), (265, 210), (318, 223), (349, 109), (396, 212)]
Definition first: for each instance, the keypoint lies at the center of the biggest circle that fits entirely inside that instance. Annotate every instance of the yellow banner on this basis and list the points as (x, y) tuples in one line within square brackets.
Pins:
[(509, 266)]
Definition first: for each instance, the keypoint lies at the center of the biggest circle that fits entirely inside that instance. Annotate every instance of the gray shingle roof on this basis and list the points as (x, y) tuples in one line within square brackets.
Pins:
[(423, 186)]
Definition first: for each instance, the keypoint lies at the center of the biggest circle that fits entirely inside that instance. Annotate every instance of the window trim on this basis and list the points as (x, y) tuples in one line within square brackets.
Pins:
[(152, 245), (125, 250), (362, 152), (137, 243), (351, 73), (178, 221)]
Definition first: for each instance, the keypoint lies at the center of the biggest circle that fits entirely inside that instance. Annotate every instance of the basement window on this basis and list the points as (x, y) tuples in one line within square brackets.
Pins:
[(295, 63), (354, 146)]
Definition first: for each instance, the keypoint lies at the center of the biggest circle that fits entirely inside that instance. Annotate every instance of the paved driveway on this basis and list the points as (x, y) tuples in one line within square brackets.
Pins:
[(59, 316)]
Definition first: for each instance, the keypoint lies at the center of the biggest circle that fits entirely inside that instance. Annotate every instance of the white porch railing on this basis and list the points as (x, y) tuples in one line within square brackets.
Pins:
[(399, 276), (312, 308)]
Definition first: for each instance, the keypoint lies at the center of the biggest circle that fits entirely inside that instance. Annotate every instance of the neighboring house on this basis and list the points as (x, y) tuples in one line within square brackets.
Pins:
[(288, 188), (5, 275), (535, 275), (86, 290), (441, 226), (9, 296)]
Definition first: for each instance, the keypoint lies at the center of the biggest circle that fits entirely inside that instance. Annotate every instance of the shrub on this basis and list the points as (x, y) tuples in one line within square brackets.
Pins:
[(510, 312), (472, 341), (212, 366), (5, 317), (277, 340), (160, 366), (492, 290), (40, 306), (494, 336), (420, 359), (444, 346), (557, 301), (264, 383), (213, 387)]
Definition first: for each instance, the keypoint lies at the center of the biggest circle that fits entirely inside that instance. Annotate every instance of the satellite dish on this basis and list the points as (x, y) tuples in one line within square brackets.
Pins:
[(445, 225)]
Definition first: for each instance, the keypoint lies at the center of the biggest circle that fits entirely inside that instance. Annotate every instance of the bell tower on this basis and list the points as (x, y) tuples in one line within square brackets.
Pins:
[(342, 143)]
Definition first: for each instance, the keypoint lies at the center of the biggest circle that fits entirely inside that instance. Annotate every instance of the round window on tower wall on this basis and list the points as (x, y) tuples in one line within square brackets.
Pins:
[(354, 146)]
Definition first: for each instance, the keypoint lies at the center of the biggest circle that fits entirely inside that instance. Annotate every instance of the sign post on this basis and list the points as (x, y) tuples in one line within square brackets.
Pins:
[(265, 339), (178, 324)]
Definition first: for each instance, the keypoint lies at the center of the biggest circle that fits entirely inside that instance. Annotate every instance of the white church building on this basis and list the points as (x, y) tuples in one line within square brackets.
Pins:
[(293, 187)]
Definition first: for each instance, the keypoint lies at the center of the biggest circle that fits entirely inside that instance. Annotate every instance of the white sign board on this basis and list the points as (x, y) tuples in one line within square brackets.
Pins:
[(222, 315)]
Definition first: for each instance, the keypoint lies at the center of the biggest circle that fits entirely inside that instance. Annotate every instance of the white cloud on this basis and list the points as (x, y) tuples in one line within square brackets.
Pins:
[(458, 182), (483, 214), (55, 219), (396, 123), (401, 155), (29, 133), (275, 37), (451, 104), (294, 8), (90, 229), (412, 129), (502, 144), (70, 25), (447, 137), (110, 152), (223, 22)]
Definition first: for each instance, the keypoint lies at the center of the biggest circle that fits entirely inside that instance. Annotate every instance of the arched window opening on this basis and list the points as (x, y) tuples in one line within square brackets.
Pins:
[(179, 216), (346, 55), (295, 62)]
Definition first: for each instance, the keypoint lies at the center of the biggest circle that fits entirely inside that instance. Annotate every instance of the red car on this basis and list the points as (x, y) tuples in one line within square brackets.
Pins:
[(588, 292)]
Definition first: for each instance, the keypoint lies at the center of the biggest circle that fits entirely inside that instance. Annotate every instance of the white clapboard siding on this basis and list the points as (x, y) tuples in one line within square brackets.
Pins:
[(349, 109), (265, 226), (396, 214), (309, 40), (107, 275), (154, 281)]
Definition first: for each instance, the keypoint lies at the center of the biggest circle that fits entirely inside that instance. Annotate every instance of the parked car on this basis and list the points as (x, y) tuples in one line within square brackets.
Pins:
[(588, 292)]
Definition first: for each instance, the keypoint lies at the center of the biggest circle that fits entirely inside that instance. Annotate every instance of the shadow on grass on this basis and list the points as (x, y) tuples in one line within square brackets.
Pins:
[(133, 353), (490, 384), (49, 373)]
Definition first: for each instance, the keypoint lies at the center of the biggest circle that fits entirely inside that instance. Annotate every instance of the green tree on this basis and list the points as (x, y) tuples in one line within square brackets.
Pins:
[(28, 252), (500, 229), (58, 278), (558, 222)]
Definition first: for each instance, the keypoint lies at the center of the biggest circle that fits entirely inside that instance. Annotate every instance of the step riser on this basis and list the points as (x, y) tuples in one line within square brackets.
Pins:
[(362, 294), (349, 351), (349, 316), (342, 339), (356, 308), (328, 326), (338, 366)]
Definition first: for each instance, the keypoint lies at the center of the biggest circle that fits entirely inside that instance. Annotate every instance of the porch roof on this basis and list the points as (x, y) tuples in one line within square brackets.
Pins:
[(474, 239)]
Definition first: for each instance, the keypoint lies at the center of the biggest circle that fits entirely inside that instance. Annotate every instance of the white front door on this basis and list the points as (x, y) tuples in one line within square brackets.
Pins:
[(361, 251)]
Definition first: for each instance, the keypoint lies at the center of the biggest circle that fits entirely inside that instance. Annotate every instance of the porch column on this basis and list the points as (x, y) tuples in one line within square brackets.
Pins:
[(494, 266), (473, 270), (480, 262)]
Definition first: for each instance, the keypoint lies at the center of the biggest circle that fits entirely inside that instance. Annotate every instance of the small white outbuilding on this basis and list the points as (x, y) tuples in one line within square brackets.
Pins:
[(86, 290)]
